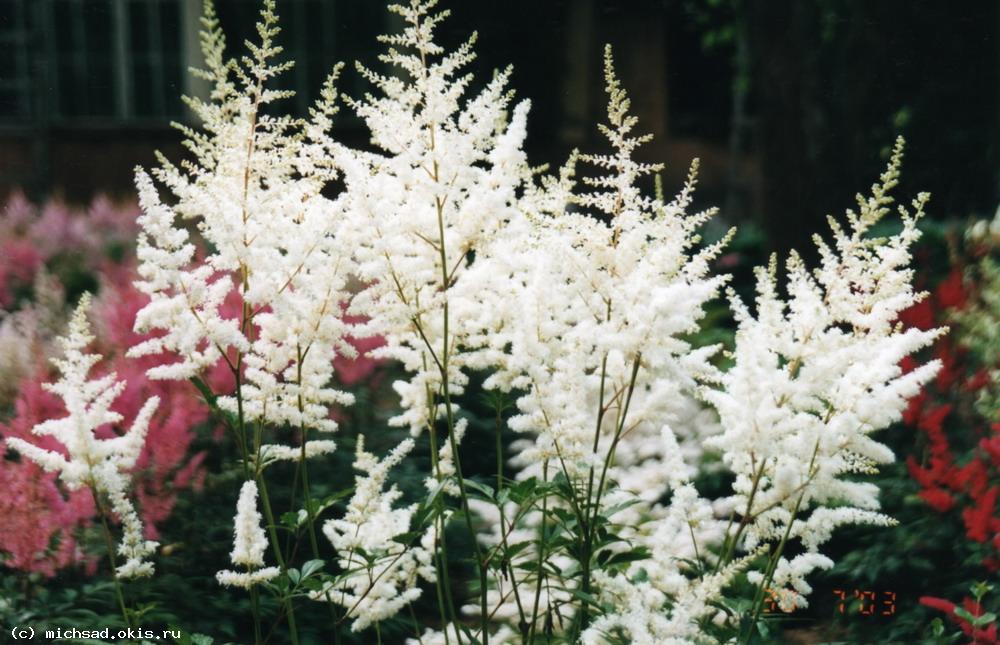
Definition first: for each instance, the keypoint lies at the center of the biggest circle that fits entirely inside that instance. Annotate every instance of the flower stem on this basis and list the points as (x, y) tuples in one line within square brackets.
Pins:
[(110, 544), (255, 609), (442, 581), (541, 557), (276, 547)]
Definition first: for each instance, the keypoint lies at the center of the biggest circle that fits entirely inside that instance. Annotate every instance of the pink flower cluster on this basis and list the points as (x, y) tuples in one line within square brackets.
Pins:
[(40, 518), (31, 237)]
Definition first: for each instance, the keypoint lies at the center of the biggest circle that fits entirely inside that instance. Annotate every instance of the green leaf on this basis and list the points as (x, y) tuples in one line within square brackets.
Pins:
[(289, 520), (486, 491), (311, 567), (512, 550), (312, 584), (984, 620), (625, 557), (980, 589), (428, 508), (206, 392), (586, 597), (406, 538), (523, 489), (611, 510), (316, 507)]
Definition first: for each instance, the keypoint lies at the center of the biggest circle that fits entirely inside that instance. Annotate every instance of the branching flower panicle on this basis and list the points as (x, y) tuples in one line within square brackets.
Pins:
[(102, 464), (254, 192), (381, 574), (577, 301), (597, 342), (450, 174), (815, 375)]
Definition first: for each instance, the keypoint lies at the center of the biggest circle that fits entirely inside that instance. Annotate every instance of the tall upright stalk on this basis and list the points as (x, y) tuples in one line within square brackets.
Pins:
[(109, 542), (443, 365), (539, 570), (258, 475), (276, 547)]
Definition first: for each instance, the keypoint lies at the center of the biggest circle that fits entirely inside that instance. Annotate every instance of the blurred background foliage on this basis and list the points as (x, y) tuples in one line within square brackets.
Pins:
[(787, 103)]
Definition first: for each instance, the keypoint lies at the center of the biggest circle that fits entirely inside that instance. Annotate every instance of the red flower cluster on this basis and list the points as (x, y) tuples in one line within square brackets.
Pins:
[(987, 636), (970, 479)]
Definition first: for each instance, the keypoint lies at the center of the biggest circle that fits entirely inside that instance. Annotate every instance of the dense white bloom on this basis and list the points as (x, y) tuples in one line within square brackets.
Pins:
[(101, 464), (789, 578), (649, 463), (814, 376), (270, 453), (249, 543), (581, 301), (449, 174), (587, 315), (640, 613), (380, 574), (602, 305), (266, 296), (133, 546), (246, 579)]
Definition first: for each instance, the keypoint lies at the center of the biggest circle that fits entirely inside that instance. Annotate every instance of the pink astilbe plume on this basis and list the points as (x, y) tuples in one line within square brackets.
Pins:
[(36, 534), (32, 236), (39, 517), (19, 261), (58, 228)]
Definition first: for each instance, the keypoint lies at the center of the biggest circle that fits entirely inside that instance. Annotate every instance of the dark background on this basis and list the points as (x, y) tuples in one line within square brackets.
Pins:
[(791, 105)]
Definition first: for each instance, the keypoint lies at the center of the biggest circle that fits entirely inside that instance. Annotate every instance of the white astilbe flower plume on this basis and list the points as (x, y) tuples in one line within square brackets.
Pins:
[(86, 460), (587, 314), (273, 261), (380, 574), (815, 375), (271, 453), (603, 304), (249, 543), (449, 173)]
